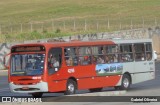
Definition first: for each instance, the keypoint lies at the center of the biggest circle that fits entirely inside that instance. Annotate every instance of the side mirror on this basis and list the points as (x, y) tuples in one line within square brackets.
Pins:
[(6, 60)]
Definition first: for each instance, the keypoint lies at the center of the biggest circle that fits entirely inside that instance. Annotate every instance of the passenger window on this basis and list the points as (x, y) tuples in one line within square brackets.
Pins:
[(139, 52), (54, 60), (98, 54), (148, 51), (111, 55), (84, 55), (126, 53), (71, 56)]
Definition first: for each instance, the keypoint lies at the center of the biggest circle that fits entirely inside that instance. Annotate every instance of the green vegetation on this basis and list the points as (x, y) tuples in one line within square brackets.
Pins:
[(67, 17)]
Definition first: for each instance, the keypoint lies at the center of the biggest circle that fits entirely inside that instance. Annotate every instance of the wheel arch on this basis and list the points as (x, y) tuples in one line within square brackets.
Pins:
[(127, 73), (74, 79)]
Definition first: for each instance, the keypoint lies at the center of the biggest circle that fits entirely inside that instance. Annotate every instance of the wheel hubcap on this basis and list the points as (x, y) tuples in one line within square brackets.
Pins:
[(126, 83), (71, 88)]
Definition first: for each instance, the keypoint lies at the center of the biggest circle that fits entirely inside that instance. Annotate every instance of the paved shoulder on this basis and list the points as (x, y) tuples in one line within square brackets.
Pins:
[(3, 72)]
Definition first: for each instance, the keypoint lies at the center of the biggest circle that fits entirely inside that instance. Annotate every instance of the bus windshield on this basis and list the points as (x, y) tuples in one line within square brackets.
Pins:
[(27, 64)]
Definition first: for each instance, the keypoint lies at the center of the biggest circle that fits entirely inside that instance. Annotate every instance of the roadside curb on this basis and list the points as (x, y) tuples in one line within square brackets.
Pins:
[(104, 93), (3, 72), (85, 97)]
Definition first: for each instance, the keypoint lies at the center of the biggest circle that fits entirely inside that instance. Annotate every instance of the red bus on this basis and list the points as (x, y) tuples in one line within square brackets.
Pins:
[(69, 66)]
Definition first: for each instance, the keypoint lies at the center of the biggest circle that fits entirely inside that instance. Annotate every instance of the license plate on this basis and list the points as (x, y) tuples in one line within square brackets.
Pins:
[(25, 88)]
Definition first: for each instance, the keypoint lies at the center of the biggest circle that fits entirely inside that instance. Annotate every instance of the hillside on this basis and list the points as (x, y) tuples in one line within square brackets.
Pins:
[(39, 10), (19, 18)]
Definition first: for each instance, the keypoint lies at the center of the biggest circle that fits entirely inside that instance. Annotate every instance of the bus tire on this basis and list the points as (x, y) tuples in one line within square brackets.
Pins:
[(126, 81), (37, 95), (71, 87), (95, 89)]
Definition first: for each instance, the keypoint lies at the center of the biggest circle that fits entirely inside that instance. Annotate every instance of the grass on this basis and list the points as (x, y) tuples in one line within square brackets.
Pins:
[(30, 36), (16, 12)]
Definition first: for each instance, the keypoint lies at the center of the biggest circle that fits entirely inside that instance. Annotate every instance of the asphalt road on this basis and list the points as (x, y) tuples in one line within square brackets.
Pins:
[(148, 88)]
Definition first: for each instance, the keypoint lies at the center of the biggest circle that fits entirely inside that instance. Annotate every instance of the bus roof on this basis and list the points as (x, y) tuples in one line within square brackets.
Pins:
[(119, 41), (74, 43), (87, 43)]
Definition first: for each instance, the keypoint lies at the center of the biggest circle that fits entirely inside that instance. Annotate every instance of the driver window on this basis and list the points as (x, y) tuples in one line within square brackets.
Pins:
[(54, 60)]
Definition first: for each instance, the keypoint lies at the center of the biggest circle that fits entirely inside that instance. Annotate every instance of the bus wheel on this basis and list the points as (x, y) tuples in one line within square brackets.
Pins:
[(37, 95), (126, 81), (71, 87), (95, 90)]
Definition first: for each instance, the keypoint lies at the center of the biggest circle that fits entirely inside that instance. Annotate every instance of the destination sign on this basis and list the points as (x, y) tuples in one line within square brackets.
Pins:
[(28, 49)]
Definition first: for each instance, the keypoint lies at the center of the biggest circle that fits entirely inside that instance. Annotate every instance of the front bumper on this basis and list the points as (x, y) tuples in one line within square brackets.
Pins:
[(39, 87)]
